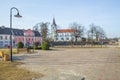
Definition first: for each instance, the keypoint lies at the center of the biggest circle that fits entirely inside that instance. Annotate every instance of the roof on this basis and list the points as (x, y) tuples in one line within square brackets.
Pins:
[(4, 30), (65, 30), (16, 32), (37, 34)]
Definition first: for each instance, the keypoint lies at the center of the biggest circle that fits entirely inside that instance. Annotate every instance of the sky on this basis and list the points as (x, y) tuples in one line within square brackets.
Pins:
[(103, 13)]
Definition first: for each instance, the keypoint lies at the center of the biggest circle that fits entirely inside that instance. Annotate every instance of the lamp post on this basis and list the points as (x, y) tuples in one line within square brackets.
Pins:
[(33, 37), (18, 16)]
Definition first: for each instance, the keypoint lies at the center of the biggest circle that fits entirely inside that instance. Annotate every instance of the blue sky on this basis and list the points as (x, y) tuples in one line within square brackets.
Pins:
[(104, 13)]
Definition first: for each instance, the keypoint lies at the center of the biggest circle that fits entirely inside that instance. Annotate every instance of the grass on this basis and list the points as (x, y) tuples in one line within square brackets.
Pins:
[(7, 50), (10, 71), (14, 50)]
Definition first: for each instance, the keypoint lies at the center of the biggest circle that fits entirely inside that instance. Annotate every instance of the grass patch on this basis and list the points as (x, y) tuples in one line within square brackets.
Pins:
[(14, 50), (9, 71), (7, 50)]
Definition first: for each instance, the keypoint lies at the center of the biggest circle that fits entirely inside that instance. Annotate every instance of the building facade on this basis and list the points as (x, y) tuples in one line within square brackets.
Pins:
[(27, 37), (65, 35)]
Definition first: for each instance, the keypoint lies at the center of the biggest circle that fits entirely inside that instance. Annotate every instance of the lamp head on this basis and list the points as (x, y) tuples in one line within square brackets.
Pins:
[(18, 15)]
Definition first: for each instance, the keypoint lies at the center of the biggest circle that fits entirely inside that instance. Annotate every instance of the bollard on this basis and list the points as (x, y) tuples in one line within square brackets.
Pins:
[(1, 54), (6, 57)]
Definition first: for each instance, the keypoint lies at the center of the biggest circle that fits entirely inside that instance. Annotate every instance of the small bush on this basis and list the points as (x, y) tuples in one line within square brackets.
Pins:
[(20, 45), (45, 46), (37, 48), (30, 47), (36, 44)]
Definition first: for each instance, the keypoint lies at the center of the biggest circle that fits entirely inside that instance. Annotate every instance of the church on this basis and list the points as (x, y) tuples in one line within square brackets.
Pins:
[(61, 35)]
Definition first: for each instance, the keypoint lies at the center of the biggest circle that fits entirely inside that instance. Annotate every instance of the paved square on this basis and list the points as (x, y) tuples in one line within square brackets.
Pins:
[(91, 63)]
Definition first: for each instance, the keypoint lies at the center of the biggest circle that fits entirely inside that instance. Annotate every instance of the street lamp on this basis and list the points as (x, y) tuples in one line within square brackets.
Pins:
[(33, 37), (18, 16)]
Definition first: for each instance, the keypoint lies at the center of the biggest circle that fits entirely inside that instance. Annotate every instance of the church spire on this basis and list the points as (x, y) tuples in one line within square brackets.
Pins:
[(54, 23)]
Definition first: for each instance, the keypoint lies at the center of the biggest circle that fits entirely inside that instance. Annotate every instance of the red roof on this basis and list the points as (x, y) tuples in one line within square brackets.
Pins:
[(65, 30)]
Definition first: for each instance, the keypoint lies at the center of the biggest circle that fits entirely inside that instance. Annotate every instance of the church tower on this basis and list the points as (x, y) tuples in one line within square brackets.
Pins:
[(53, 30)]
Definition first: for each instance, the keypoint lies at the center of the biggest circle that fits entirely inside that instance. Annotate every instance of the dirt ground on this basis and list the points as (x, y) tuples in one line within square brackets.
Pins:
[(62, 64)]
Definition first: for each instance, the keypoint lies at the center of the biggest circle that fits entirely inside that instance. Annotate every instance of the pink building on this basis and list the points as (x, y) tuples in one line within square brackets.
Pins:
[(28, 37), (31, 36)]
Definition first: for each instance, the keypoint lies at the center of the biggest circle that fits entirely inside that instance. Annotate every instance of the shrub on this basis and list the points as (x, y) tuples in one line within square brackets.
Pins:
[(20, 45), (30, 47), (36, 44), (37, 47), (45, 46)]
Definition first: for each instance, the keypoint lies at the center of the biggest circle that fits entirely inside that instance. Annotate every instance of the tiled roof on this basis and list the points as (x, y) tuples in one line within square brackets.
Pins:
[(65, 30)]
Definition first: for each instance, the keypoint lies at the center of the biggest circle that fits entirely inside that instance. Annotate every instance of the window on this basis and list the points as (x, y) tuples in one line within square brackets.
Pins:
[(62, 38), (62, 34), (67, 38), (1, 42), (55, 35), (56, 38), (67, 34), (20, 33), (6, 37), (1, 37), (6, 41), (16, 33)]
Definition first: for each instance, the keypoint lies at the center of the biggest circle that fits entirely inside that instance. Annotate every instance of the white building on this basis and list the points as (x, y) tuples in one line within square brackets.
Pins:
[(61, 34), (4, 40), (65, 35), (118, 42), (4, 37)]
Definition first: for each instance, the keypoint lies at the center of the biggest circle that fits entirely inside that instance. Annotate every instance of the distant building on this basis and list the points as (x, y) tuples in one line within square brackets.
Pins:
[(118, 42), (65, 35), (18, 35), (61, 34)]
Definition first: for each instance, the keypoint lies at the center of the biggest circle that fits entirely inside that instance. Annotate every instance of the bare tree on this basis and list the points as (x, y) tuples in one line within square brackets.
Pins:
[(43, 29), (78, 30), (92, 31), (96, 32)]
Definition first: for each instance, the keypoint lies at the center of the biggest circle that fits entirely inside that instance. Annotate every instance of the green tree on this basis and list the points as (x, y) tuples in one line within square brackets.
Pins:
[(20, 45), (45, 46)]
